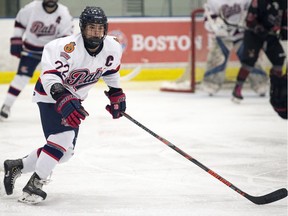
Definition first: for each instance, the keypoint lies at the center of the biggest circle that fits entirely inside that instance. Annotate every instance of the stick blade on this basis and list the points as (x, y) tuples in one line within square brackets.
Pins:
[(268, 198)]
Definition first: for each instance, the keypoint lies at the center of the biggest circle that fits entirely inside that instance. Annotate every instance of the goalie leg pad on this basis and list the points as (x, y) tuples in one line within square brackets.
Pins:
[(216, 64)]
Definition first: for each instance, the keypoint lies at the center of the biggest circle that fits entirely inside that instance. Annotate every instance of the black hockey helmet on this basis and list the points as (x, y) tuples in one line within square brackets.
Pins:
[(93, 15)]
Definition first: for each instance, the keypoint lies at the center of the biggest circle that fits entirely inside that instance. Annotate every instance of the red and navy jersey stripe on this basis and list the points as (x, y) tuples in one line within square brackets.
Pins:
[(109, 72), (39, 88)]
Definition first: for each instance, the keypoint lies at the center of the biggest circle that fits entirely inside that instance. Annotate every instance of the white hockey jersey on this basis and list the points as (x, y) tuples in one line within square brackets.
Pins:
[(66, 61), (229, 11), (36, 27)]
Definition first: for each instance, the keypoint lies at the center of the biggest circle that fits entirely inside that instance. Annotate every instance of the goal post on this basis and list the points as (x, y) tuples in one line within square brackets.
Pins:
[(194, 15), (187, 82)]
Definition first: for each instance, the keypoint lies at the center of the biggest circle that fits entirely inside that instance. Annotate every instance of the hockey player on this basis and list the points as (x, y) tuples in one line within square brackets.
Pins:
[(225, 20), (35, 25), (265, 20), (70, 68)]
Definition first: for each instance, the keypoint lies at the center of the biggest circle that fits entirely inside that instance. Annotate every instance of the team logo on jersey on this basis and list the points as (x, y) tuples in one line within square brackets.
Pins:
[(82, 77), (70, 47), (228, 11), (39, 29)]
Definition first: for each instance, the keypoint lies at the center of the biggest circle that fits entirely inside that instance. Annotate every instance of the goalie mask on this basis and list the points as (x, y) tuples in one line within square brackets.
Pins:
[(93, 15)]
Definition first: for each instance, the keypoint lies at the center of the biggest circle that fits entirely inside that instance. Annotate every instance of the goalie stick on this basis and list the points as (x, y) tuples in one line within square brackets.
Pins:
[(259, 200)]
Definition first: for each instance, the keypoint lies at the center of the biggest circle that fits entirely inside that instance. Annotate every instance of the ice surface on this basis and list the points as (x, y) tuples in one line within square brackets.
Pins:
[(121, 170)]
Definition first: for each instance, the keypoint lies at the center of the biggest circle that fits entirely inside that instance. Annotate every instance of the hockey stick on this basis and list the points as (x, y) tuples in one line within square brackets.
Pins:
[(243, 27), (34, 56), (241, 20), (259, 200)]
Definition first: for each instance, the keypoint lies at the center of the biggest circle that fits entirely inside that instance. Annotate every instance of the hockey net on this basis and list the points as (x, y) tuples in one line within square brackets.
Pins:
[(195, 63), (196, 66)]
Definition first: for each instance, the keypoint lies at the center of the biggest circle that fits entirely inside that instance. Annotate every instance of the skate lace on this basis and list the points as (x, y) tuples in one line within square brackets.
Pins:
[(46, 181), (15, 174)]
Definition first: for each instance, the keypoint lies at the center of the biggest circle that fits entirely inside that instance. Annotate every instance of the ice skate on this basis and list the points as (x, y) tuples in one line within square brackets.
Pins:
[(32, 192), (5, 112), (12, 169), (237, 96)]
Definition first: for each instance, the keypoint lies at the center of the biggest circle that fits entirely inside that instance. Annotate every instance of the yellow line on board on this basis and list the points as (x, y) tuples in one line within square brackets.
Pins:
[(146, 74)]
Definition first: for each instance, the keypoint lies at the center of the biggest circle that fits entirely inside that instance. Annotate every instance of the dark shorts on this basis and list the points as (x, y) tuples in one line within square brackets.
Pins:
[(52, 121), (270, 44), (27, 66)]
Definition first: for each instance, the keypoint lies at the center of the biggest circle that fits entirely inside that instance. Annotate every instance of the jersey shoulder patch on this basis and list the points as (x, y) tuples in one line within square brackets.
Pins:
[(69, 48)]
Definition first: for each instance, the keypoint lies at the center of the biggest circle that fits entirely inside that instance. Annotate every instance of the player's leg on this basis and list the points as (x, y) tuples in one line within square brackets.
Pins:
[(217, 59), (257, 77), (278, 81), (60, 141), (252, 46), (59, 148), (25, 71)]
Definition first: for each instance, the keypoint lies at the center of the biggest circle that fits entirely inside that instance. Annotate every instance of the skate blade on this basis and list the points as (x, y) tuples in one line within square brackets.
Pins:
[(236, 100), (2, 119), (30, 199)]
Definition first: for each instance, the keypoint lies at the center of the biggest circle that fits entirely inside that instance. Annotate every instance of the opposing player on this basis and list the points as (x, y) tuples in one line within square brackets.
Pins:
[(267, 23), (225, 20), (38, 23), (70, 68)]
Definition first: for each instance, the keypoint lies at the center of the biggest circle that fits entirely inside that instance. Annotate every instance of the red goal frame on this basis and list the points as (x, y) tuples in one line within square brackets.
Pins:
[(194, 14)]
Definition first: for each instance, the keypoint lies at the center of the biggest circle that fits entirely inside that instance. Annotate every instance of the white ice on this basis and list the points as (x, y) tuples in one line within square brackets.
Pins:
[(121, 170)]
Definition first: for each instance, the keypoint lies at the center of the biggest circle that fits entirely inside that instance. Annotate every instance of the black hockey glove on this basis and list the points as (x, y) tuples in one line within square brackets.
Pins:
[(16, 47), (117, 102), (278, 94)]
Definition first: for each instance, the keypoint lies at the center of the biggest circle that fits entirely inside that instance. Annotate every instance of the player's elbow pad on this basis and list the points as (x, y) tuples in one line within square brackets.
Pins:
[(57, 90)]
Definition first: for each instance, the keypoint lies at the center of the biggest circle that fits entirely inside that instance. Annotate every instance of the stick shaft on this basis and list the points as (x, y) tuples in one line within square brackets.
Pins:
[(272, 197)]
